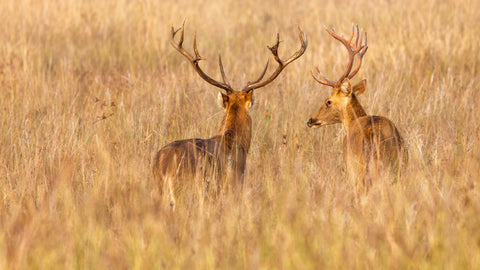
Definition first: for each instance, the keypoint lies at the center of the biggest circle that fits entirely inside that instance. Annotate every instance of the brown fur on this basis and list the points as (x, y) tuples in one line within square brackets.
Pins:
[(210, 157), (372, 145)]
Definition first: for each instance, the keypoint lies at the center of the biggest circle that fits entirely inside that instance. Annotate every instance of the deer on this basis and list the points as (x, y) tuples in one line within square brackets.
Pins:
[(372, 146), (228, 149)]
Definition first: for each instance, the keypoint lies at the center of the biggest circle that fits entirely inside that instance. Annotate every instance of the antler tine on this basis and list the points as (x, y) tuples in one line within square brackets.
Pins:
[(337, 37), (351, 36), (322, 80), (197, 54), (261, 75), (359, 46), (195, 59), (224, 78), (274, 49), (353, 50), (304, 41), (362, 50), (174, 32), (281, 63), (358, 35)]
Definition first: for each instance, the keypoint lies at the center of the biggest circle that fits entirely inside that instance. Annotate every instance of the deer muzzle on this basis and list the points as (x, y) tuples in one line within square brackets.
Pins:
[(311, 122)]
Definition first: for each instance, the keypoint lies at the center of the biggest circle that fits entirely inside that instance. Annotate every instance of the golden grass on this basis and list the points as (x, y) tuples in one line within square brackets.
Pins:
[(90, 89)]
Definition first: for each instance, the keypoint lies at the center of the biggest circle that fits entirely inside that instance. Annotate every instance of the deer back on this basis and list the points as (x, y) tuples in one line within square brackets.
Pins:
[(373, 139)]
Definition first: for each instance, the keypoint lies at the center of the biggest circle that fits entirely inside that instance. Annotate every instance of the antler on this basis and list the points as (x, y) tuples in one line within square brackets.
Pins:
[(195, 59), (281, 63), (353, 50), (250, 85)]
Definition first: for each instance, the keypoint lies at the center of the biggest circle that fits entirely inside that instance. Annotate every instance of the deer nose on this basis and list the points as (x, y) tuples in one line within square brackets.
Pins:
[(309, 122)]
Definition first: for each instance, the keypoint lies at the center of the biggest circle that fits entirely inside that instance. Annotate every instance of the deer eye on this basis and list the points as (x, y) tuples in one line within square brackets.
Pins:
[(329, 103)]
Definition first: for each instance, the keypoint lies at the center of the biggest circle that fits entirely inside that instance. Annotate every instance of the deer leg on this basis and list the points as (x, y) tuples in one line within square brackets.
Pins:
[(239, 164), (207, 185), (171, 196)]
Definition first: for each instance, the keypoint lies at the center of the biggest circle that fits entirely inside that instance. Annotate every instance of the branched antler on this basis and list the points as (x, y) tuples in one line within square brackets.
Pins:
[(281, 63), (195, 59), (354, 49)]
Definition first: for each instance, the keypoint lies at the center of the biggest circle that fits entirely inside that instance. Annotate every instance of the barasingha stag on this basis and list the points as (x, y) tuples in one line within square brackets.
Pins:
[(212, 158), (372, 147)]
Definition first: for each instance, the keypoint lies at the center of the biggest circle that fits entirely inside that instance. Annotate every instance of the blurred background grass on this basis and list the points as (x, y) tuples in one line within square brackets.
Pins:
[(90, 89)]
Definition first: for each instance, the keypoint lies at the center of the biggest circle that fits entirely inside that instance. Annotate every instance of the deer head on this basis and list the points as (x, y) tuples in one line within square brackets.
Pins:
[(342, 104)]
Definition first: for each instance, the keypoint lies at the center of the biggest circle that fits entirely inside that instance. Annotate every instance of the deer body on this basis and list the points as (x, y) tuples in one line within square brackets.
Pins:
[(211, 156), (229, 148), (372, 147), (372, 144)]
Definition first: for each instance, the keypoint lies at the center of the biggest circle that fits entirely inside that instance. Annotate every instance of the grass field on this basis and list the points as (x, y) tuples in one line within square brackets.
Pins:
[(89, 90)]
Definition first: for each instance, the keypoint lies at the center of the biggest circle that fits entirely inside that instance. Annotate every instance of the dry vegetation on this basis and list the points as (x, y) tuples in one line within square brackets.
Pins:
[(90, 89)]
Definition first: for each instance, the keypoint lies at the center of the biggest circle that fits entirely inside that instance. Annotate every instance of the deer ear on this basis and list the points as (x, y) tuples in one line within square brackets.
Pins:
[(249, 100), (346, 87), (360, 87), (223, 101)]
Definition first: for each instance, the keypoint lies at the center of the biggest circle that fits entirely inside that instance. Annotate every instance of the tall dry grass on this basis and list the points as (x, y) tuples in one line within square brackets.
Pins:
[(90, 89)]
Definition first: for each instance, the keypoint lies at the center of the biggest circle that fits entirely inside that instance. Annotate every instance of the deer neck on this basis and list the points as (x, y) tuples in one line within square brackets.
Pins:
[(236, 128), (352, 111)]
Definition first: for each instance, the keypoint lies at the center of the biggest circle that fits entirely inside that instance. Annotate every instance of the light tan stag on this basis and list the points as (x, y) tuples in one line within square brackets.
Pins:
[(372, 147), (210, 158)]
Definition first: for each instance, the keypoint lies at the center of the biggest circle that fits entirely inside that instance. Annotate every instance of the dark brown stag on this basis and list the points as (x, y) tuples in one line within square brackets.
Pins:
[(226, 151), (372, 144)]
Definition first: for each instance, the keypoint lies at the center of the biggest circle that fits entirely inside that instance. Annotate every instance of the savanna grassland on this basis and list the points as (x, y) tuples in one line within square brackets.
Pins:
[(89, 90)]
